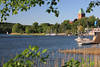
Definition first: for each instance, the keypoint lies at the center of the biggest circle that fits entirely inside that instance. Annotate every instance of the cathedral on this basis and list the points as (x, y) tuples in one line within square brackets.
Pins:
[(81, 13)]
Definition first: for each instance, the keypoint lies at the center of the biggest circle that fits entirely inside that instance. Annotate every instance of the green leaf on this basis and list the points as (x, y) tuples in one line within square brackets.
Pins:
[(35, 48), (92, 63), (43, 60), (5, 65), (7, 14), (88, 59), (44, 51), (48, 10), (5, 18), (58, 0), (82, 60), (38, 54), (15, 12), (30, 47), (29, 54), (18, 56), (28, 62), (46, 57), (25, 52), (0, 2)]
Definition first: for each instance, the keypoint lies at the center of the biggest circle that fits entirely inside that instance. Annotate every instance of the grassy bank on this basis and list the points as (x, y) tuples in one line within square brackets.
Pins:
[(27, 34)]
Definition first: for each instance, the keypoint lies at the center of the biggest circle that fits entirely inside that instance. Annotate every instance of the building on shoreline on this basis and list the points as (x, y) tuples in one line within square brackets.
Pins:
[(81, 13), (94, 31)]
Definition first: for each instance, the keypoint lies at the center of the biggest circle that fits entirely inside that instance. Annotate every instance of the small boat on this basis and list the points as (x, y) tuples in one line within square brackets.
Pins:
[(86, 41)]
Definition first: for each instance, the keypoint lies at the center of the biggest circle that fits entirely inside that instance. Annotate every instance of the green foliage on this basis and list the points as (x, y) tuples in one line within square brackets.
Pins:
[(27, 58), (68, 32), (72, 63), (81, 63), (92, 4), (15, 6), (35, 27), (45, 26), (17, 28), (80, 29), (28, 29), (6, 27), (64, 27)]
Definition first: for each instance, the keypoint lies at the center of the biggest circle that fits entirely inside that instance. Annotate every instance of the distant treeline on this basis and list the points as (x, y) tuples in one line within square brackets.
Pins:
[(6, 27), (68, 27)]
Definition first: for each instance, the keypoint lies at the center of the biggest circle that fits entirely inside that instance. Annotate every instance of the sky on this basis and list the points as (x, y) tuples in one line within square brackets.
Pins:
[(68, 11)]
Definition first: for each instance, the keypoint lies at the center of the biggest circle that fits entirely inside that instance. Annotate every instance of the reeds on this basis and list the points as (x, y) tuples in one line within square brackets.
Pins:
[(88, 57)]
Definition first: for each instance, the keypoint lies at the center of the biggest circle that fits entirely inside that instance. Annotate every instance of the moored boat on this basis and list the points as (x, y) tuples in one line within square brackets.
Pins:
[(87, 41)]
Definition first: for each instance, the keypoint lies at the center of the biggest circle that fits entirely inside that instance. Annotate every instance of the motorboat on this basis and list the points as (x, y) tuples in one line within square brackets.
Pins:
[(87, 41)]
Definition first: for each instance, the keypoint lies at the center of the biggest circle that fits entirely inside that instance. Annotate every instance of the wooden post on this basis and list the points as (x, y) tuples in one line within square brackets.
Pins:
[(62, 62), (56, 63), (84, 54), (69, 54), (2, 61), (74, 52), (95, 60), (90, 61)]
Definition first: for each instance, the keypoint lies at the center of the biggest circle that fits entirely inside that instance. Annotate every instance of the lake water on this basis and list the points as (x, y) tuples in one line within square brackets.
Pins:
[(12, 44)]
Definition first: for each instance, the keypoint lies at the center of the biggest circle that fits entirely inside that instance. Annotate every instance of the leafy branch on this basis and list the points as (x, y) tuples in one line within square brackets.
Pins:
[(27, 58), (92, 4), (12, 7)]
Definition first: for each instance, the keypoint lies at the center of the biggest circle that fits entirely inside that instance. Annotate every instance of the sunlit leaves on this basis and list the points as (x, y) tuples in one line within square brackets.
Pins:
[(26, 58), (15, 6), (44, 51), (72, 63)]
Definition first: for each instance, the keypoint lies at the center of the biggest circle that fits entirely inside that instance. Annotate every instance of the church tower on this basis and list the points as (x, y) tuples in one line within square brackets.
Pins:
[(81, 13)]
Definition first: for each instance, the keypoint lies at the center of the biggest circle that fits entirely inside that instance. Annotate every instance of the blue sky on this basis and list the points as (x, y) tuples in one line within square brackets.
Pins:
[(68, 10)]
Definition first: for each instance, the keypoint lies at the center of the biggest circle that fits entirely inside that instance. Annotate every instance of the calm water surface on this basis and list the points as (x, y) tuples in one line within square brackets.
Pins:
[(12, 44)]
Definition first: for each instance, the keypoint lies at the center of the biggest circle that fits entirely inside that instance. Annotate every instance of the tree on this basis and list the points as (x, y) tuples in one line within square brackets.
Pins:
[(56, 26), (17, 28), (83, 21), (65, 25), (91, 21), (6, 27), (45, 27), (14, 6), (28, 29), (35, 24), (35, 27), (80, 29)]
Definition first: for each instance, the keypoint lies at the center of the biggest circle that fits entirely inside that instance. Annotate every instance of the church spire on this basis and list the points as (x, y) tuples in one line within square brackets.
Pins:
[(81, 13)]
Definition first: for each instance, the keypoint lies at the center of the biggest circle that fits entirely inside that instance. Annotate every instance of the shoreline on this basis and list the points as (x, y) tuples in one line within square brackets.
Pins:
[(40, 34), (27, 34)]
